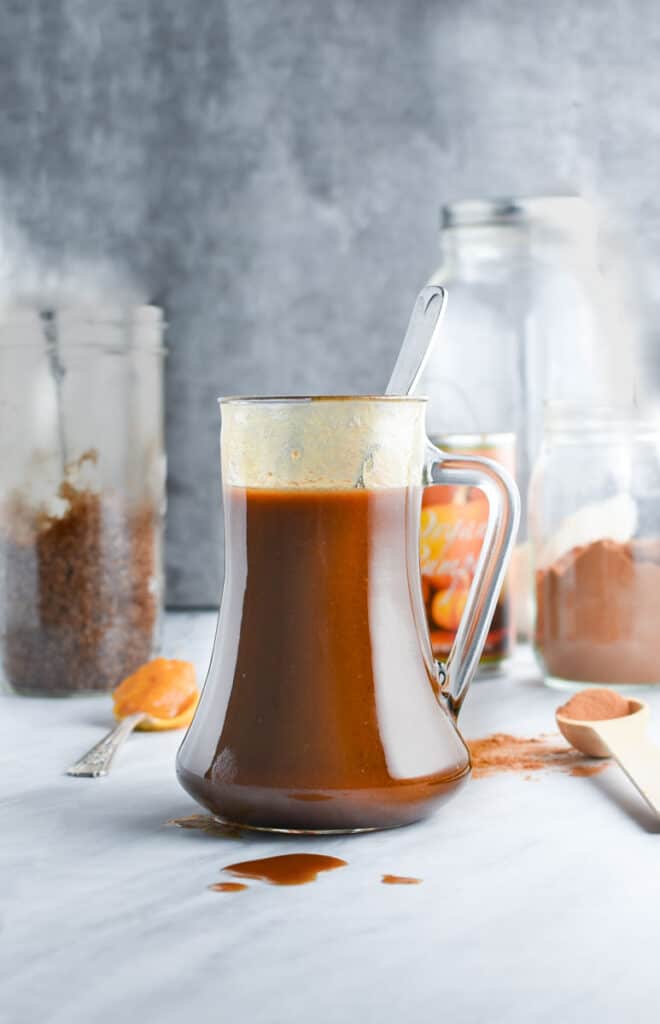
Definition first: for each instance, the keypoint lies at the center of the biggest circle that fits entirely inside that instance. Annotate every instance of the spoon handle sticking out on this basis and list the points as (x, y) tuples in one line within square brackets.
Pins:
[(97, 761), (635, 754), (420, 338)]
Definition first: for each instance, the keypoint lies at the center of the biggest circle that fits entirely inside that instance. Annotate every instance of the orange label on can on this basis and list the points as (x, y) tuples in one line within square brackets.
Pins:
[(452, 528), (451, 534)]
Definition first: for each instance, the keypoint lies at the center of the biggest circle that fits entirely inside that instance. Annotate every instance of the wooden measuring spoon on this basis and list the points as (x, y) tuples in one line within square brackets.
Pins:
[(626, 741)]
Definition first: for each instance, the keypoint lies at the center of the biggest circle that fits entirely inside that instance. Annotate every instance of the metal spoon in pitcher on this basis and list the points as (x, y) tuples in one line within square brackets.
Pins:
[(420, 338)]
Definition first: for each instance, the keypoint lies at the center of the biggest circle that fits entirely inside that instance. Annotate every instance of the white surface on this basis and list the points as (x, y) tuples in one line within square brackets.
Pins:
[(539, 902)]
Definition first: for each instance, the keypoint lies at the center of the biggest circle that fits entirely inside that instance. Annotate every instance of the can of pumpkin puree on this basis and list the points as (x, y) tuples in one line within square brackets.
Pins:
[(453, 525)]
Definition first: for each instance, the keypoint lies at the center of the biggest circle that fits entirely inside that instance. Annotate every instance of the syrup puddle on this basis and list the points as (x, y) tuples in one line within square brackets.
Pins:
[(206, 823), (286, 869), (228, 887)]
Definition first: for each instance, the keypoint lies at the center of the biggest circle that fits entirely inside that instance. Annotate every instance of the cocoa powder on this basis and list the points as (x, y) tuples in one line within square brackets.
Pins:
[(597, 613), (595, 705)]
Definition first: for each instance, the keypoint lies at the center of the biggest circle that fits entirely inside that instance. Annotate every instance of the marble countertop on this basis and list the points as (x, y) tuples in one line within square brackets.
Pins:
[(539, 899)]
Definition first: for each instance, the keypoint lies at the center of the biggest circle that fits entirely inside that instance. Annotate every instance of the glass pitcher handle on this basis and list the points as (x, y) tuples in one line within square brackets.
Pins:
[(501, 529)]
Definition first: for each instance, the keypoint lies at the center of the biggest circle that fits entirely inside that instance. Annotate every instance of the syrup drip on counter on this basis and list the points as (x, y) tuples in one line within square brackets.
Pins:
[(206, 823), (286, 869), (400, 880), (228, 887)]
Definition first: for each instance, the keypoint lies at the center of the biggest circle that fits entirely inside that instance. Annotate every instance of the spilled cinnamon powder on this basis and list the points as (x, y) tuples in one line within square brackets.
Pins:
[(589, 769), (504, 753)]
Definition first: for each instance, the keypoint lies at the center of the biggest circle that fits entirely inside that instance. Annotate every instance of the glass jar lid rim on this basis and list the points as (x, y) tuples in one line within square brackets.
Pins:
[(481, 212), (103, 328), (303, 399), (501, 210), (84, 313)]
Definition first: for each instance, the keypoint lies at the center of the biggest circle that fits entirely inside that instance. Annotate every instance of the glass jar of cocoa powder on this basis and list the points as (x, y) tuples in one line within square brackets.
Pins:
[(82, 496), (595, 527)]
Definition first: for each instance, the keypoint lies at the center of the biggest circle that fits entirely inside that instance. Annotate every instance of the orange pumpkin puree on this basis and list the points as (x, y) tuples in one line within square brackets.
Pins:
[(165, 689)]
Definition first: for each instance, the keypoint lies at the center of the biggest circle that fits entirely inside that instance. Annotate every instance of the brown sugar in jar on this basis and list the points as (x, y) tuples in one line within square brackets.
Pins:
[(81, 605)]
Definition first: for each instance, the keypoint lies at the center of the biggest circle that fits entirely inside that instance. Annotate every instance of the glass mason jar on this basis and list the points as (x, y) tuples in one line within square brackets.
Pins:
[(595, 528), (82, 496)]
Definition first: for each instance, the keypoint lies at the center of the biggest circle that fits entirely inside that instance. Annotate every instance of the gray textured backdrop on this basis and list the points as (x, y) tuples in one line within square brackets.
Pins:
[(270, 173)]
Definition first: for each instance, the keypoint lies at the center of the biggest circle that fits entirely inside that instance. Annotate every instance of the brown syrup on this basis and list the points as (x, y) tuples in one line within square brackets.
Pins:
[(322, 710), (400, 880), (228, 887), (286, 869)]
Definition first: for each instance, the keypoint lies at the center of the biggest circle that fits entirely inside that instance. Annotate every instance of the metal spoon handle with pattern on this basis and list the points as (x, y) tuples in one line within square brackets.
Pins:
[(97, 761)]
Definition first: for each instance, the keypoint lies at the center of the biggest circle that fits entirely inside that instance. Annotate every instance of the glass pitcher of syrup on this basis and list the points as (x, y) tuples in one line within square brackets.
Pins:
[(323, 708)]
